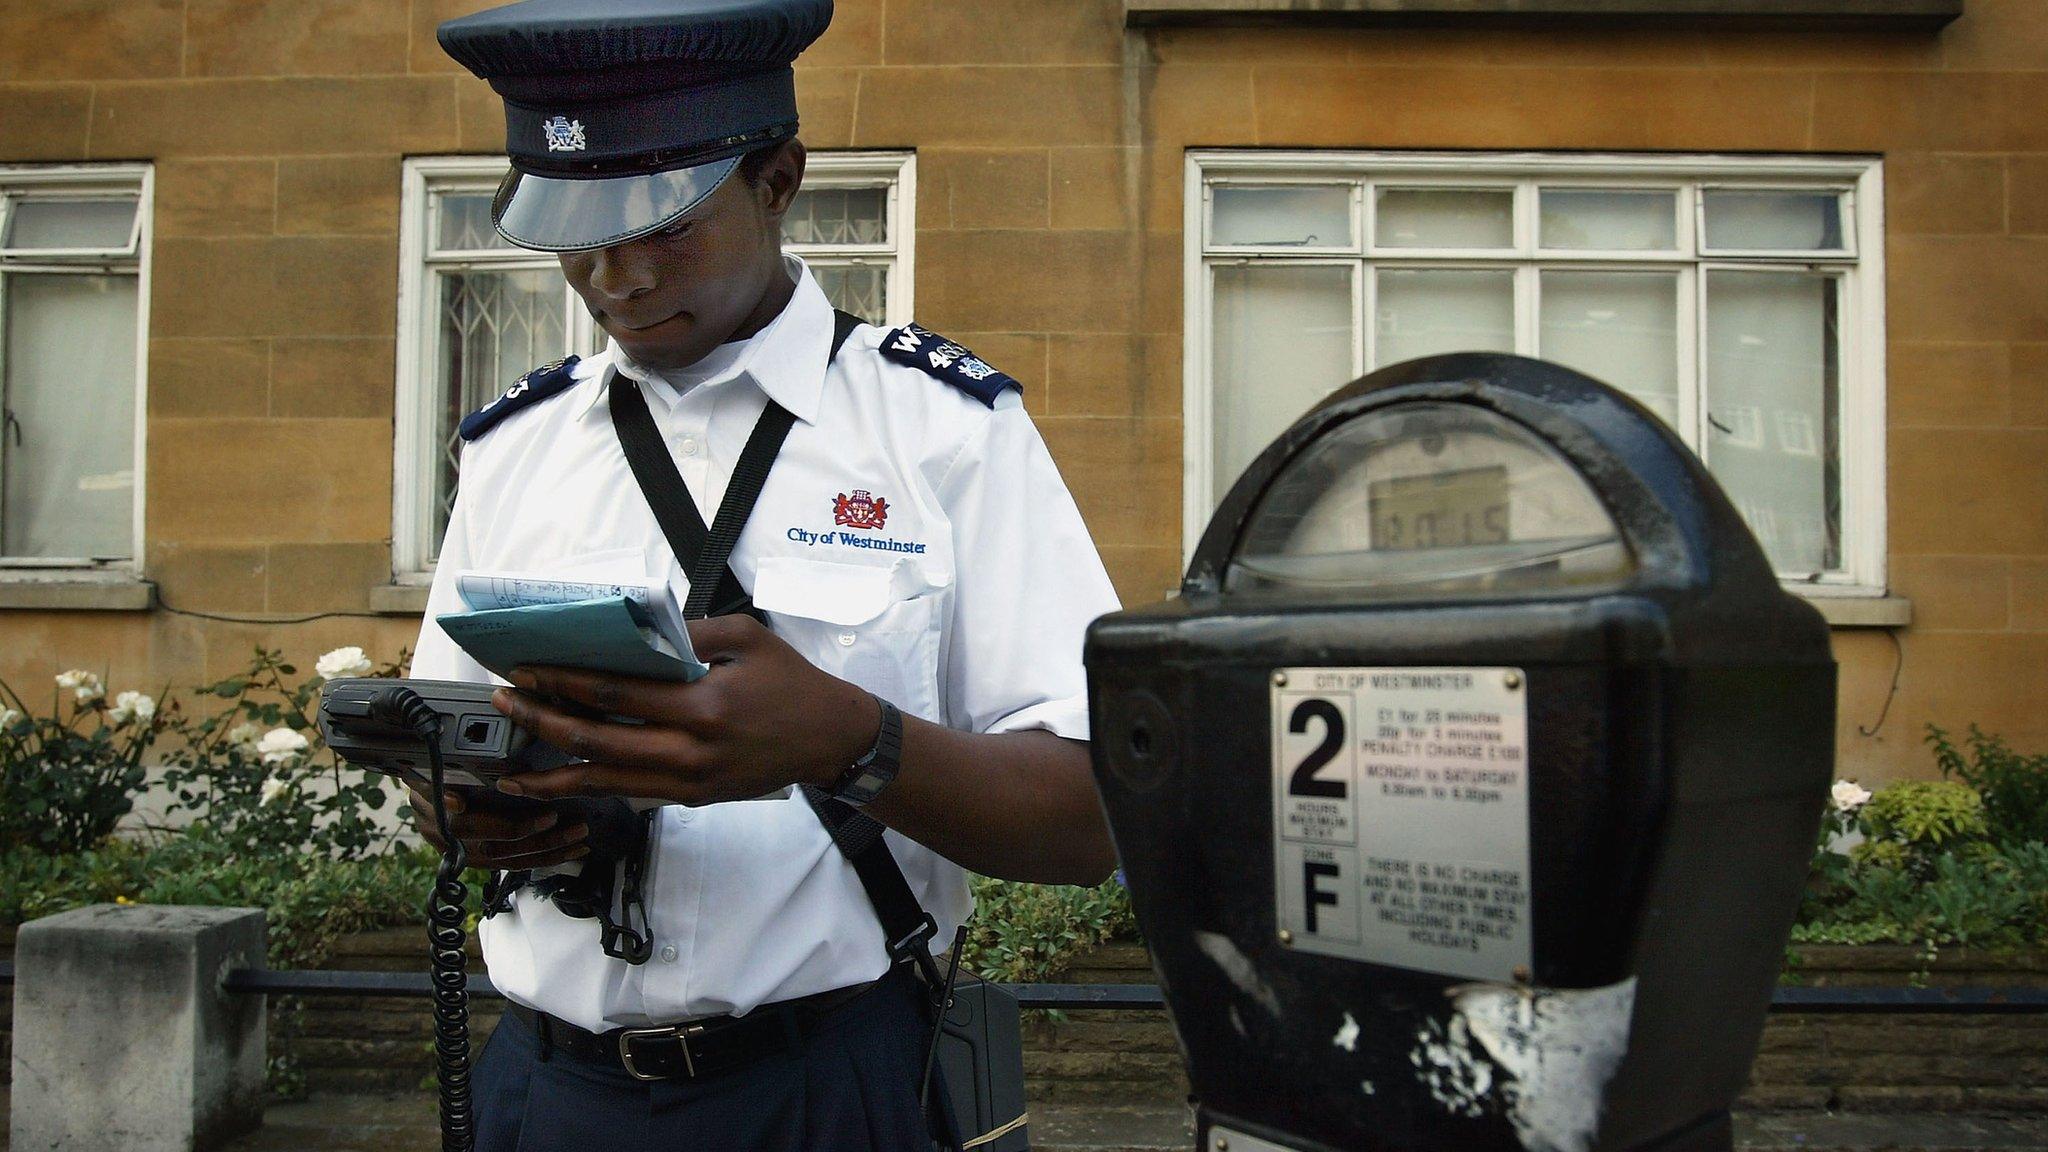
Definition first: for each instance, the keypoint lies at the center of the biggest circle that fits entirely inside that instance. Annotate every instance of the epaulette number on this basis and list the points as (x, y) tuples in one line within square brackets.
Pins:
[(918, 347), (539, 384)]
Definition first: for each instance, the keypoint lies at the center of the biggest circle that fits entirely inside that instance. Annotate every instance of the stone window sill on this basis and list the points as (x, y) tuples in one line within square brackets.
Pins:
[(1834, 15), (399, 599), (1864, 611), (76, 592)]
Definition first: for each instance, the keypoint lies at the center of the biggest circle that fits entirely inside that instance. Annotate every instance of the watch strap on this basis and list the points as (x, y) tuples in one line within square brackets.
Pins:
[(864, 779)]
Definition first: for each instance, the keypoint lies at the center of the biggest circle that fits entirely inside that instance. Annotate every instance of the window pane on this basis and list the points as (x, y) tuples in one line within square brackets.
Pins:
[(861, 289), (1444, 218), (1283, 342), (69, 441), (838, 216), (1421, 313), (1773, 411), (494, 327), (72, 223), (1774, 221), (1297, 216), (1618, 327), (465, 223), (1609, 221)]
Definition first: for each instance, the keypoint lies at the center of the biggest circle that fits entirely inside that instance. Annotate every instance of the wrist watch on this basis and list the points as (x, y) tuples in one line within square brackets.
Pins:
[(864, 779)]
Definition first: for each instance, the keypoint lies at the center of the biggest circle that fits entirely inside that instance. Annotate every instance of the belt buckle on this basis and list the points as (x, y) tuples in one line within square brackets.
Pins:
[(680, 1033)]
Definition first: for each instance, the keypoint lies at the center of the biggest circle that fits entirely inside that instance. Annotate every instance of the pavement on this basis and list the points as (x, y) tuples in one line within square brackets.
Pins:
[(403, 1122)]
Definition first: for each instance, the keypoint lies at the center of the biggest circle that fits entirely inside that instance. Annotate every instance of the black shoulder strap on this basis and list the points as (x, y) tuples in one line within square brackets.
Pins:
[(907, 927), (716, 591)]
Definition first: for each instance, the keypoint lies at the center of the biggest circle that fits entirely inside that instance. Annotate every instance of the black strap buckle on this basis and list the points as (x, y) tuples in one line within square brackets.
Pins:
[(912, 946), (618, 938), (622, 943), (914, 949), (499, 888)]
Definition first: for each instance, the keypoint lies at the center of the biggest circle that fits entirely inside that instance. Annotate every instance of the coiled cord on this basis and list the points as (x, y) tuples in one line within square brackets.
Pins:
[(447, 907)]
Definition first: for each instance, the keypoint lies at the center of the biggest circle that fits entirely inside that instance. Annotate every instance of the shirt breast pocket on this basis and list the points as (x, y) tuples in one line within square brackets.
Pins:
[(874, 625)]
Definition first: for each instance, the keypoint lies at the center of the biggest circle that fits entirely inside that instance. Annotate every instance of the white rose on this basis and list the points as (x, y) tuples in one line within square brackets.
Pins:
[(348, 661), (280, 746), (84, 686), (244, 736), (132, 706), (272, 787), (1849, 797), (7, 718)]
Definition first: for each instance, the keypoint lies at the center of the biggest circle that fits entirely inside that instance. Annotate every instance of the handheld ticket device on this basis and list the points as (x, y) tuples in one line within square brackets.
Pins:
[(1466, 792)]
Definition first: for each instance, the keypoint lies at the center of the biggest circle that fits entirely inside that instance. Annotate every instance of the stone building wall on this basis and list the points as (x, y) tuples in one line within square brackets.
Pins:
[(1050, 142)]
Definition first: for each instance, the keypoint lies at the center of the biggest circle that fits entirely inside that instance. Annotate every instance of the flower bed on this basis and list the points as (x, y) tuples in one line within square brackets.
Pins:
[(1958, 862)]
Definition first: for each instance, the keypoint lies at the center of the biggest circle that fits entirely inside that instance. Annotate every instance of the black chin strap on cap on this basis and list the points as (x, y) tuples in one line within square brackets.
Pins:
[(647, 132)]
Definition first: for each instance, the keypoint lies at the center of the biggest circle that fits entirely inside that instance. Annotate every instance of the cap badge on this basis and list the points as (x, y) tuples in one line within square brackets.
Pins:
[(859, 510), (564, 134)]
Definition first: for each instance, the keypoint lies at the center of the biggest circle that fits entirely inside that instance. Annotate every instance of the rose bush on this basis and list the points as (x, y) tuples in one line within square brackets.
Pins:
[(255, 774), (272, 819), (68, 776)]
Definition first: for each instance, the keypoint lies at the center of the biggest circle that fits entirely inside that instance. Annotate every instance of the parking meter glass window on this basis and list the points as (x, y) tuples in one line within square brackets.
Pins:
[(1429, 500)]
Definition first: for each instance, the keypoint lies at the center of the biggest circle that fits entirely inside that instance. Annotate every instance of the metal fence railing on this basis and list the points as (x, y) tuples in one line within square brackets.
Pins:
[(1845, 1000)]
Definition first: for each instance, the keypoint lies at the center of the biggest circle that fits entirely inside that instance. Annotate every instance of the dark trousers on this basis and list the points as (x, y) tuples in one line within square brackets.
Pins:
[(851, 1086)]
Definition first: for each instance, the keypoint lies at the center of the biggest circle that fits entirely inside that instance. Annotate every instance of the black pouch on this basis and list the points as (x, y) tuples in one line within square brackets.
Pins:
[(981, 1068)]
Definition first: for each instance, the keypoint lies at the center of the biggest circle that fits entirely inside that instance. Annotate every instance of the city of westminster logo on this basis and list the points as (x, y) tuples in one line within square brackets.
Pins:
[(859, 510), (564, 134)]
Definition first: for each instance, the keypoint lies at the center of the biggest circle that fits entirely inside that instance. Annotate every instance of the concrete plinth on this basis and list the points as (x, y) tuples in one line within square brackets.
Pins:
[(125, 1039)]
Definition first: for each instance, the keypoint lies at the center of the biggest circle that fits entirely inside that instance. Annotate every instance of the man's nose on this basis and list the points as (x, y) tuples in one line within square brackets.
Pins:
[(622, 271)]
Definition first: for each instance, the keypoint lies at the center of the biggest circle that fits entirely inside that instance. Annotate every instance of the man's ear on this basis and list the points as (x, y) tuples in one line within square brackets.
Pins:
[(781, 178)]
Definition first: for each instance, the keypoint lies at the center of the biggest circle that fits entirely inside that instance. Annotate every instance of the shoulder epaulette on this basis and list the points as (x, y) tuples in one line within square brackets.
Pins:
[(921, 348), (532, 388)]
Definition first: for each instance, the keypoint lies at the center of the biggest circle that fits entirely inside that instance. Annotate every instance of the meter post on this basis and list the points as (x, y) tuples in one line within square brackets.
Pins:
[(1466, 791)]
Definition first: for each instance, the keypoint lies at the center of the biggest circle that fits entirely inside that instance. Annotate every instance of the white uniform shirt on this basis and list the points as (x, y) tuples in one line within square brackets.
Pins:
[(964, 604)]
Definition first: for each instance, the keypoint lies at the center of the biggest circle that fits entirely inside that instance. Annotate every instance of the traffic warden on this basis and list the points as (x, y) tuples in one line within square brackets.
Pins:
[(924, 577)]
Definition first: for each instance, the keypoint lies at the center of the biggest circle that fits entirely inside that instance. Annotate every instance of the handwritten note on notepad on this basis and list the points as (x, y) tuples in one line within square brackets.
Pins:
[(624, 629)]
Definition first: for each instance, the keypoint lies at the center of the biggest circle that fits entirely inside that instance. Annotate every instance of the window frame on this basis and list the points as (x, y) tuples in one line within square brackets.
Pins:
[(1860, 269), (414, 402), (897, 173), (81, 181)]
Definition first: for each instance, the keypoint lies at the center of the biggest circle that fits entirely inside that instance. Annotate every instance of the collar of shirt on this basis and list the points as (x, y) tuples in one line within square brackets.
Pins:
[(786, 359)]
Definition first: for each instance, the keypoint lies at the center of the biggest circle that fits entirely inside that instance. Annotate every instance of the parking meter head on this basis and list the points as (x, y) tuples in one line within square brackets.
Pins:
[(1466, 791)]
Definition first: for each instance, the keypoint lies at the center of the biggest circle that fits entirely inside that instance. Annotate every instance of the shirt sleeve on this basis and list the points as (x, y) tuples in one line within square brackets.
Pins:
[(436, 657), (1027, 583)]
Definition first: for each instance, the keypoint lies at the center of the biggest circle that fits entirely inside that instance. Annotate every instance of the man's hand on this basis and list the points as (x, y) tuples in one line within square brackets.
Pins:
[(501, 833), (1018, 805), (763, 718)]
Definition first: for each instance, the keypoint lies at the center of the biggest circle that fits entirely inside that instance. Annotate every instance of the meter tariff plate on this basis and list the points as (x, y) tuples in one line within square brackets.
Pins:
[(1401, 817)]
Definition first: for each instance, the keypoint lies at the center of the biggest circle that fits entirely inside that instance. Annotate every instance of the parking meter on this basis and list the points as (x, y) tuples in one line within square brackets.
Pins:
[(1466, 791)]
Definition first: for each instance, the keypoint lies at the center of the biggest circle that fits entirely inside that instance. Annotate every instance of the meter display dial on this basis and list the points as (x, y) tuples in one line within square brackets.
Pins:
[(1430, 499)]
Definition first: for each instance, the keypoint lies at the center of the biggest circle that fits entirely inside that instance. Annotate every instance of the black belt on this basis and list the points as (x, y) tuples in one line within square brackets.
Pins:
[(699, 1048)]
